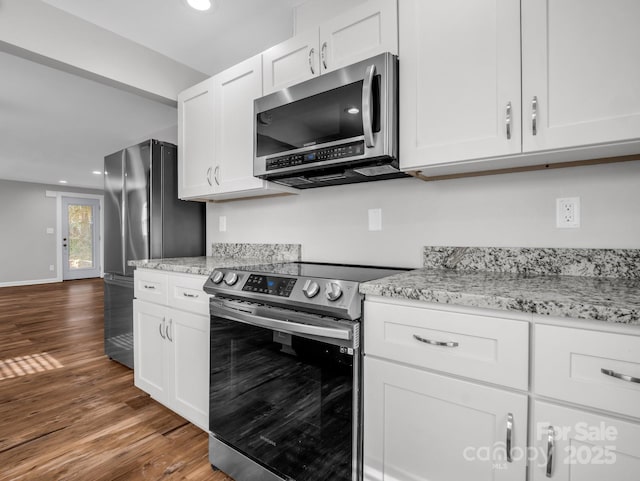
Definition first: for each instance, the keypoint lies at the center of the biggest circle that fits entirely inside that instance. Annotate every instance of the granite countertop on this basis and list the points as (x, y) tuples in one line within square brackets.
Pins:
[(196, 265), (604, 299), (224, 255)]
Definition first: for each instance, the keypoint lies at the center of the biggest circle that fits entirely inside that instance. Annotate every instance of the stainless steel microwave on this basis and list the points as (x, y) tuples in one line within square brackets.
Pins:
[(338, 128)]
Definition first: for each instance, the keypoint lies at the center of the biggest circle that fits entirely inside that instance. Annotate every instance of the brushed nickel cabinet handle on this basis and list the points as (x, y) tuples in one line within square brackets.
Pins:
[(550, 448), (168, 329), (534, 115), (209, 176), (215, 174), (192, 296), (508, 120), (617, 375), (509, 435), (313, 72), (160, 327), (147, 286), (436, 343), (323, 55)]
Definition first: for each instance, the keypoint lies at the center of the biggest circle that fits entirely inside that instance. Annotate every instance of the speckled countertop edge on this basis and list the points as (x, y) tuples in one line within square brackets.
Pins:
[(203, 266), (609, 300)]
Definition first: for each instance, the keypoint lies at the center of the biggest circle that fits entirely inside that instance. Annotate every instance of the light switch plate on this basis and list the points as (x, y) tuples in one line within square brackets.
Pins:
[(375, 219), (222, 223), (49, 230)]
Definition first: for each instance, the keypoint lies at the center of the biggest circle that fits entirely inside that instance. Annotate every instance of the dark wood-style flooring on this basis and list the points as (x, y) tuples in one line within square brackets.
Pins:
[(69, 413)]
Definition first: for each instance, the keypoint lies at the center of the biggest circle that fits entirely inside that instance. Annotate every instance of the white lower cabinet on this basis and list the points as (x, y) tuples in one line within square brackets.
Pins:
[(171, 349), (424, 426), (575, 445)]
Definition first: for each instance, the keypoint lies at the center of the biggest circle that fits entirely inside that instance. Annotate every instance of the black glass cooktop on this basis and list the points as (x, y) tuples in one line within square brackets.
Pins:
[(344, 272)]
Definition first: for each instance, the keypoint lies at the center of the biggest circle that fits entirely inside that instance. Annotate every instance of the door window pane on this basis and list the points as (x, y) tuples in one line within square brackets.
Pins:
[(80, 237)]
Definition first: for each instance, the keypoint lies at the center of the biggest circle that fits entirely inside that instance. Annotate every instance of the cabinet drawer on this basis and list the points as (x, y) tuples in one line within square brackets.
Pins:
[(569, 363), (151, 286), (185, 292), (479, 347)]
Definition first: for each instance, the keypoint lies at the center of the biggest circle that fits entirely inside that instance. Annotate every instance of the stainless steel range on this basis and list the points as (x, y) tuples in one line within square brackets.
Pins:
[(285, 371)]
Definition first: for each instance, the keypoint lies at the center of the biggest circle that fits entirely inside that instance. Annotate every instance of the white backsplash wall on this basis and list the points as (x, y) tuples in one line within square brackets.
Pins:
[(498, 210)]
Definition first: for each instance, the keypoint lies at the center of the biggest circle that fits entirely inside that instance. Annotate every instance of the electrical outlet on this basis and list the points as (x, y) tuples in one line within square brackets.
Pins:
[(51, 267), (375, 219), (568, 213), (222, 223), (49, 230)]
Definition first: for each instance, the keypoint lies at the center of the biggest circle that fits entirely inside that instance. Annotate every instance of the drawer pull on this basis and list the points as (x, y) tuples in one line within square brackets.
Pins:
[(617, 375), (436, 343), (147, 286), (509, 435), (192, 296), (550, 446)]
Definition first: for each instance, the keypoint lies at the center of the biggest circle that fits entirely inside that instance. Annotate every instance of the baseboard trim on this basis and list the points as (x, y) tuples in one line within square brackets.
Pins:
[(29, 283)]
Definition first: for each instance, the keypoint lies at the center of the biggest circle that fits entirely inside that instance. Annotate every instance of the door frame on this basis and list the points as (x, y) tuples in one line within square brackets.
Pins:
[(58, 196)]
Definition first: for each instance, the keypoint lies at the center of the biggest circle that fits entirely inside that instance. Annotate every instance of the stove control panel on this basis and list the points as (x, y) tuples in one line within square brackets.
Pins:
[(275, 286), (334, 297)]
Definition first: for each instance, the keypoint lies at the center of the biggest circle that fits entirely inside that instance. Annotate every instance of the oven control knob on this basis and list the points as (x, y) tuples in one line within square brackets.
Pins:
[(231, 278), (311, 289), (217, 277), (334, 291)]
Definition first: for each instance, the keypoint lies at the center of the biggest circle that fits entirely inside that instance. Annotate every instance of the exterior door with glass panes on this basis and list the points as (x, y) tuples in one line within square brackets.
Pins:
[(80, 238)]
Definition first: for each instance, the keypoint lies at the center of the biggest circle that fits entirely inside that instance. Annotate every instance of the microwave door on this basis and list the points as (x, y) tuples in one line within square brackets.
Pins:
[(323, 118)]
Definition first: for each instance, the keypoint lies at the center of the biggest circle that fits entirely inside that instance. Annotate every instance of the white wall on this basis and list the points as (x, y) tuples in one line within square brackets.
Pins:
[(313, 12), (498, 210), (26, 250)]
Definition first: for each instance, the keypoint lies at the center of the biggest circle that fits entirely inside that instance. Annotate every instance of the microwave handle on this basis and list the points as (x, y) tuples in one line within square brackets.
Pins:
[(367, 106)]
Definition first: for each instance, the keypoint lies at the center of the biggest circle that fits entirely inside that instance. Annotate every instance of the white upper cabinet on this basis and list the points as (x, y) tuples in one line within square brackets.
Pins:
[(291, 62), (580, 61), (465, 106), (195, 140), (459, 80), (235, 90), (362, 32), (215, 136)]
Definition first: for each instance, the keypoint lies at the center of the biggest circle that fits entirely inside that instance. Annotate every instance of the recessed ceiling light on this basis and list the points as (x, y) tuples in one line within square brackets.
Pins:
[(97, 172), (353, 110), (200, 5), (62, 181)]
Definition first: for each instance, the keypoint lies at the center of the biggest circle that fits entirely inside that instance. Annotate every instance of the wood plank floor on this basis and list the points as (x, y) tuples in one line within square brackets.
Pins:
[(69, 413)]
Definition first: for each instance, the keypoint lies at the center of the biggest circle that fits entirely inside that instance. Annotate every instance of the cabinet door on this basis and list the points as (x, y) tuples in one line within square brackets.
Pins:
[(188, 336), (586, 446), (235, 91), (580, 61), (360, 33), (291, 62), (195, 140), (421, 426), (459, 80), (149, 337)]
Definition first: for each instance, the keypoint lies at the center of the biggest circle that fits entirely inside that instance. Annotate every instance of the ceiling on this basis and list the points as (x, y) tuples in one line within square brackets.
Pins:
[(57, 126), (206, 41)]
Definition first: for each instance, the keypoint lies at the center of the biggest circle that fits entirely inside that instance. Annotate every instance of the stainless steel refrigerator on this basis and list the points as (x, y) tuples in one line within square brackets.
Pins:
[(143, 219)]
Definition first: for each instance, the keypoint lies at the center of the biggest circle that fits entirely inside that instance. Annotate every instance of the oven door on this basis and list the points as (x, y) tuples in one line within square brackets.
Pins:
[(284, 394), (341, 116)]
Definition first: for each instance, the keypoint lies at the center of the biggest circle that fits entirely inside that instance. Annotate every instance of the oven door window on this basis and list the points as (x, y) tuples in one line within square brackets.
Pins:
[(325, 117), (283, 400)]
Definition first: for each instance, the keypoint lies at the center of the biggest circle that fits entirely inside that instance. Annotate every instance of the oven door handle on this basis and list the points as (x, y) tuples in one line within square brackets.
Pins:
[(289, 327)]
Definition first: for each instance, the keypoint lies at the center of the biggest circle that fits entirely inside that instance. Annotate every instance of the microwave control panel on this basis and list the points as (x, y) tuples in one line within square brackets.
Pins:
[(342, 151)]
